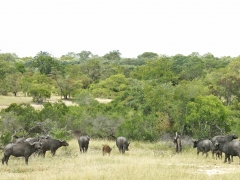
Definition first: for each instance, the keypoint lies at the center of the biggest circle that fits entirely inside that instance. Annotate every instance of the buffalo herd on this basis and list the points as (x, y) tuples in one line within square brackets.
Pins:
[(218, 145), (25, 147)]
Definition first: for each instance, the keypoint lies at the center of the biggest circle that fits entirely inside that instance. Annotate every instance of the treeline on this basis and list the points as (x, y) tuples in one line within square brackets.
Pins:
[(195, 95)]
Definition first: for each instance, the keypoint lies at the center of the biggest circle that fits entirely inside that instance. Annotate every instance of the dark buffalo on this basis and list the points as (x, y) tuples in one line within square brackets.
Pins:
[(230, 148), (221, 139), (52, 145), (202, 145), (32, 140), (122, 144), (20, 140), (83, 142), (106, 149), (23, 149)]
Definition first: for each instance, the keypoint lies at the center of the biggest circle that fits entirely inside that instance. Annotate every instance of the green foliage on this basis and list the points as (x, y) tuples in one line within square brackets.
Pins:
[(18, 116), (84, 55), (110, 87), (5, 137), (188, 67), (20, 67), (44, 62), (61, 133), (207, 116), (7, 57), (151, 94), (138, 128), (54, 112), (148, 55), (84, 98), (113, 55), (158, 69), (39, 94), (92, 69)]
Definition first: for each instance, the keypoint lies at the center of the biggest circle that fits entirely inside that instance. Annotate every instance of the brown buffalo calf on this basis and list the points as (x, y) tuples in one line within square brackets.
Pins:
[(106, 149)]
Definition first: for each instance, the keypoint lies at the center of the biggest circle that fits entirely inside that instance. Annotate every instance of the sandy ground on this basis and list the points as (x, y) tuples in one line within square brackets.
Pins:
[(54, 99)]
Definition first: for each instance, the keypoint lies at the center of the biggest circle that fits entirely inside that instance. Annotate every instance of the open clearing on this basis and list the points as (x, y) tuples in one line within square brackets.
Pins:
[(5, 101)]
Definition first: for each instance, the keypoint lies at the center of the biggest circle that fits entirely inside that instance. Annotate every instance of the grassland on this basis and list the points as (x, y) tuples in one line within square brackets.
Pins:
[(144, 161), (148, 161)]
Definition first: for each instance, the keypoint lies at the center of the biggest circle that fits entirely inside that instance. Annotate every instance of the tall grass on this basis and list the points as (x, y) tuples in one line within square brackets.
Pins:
[(148, 161)]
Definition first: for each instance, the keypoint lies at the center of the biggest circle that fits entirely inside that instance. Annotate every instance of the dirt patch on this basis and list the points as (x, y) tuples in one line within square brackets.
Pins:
[(101, 100), (56, 99), (214, 170)]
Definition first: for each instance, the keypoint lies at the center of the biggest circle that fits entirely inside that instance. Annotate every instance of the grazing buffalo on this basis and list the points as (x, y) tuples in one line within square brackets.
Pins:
[(202, 145), (122, 144), (23, 149), (20, 140), (32, 140), (52, 145), (83, 142), (230, 148), (106, 149), (221, 139)]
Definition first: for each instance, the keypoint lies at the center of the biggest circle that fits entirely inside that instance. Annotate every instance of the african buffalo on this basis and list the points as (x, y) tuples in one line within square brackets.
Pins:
[(221, 139), (52, 145), (83, 142), (106, 149), (202, 145), (230, 148), (20, 140), (23, 149), (122, 144), (32, 140)]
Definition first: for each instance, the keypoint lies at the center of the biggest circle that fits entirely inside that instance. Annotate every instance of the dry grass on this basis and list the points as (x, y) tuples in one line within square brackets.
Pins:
[(141, 162), (5, 101), (144, 161)]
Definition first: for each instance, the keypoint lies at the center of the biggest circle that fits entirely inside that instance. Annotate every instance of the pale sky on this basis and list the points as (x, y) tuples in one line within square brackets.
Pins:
[(133, 27)]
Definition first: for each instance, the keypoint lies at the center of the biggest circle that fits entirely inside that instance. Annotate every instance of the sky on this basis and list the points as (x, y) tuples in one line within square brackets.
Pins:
[(165, 27)]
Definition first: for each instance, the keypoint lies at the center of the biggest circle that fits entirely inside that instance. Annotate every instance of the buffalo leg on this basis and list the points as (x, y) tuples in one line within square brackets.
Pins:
[(3, 159), (6, 159), (44, 152), (225, 159), (26, 160), (53, 152)]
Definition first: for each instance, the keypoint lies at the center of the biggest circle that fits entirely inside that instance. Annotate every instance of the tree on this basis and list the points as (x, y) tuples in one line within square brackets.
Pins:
[(20, 67), (39, 93), (67, 82), (91, 68), (113, 55), (44, 62), (188, 67), (158, 69), (148, 55), (207, 116), (84, 55), (69, 56), (13, 82), (7, 57), (110, 87)]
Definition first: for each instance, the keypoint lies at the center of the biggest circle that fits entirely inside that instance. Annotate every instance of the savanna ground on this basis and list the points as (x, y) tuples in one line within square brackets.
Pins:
[(5, 101), (144, 160), (148, 161)]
